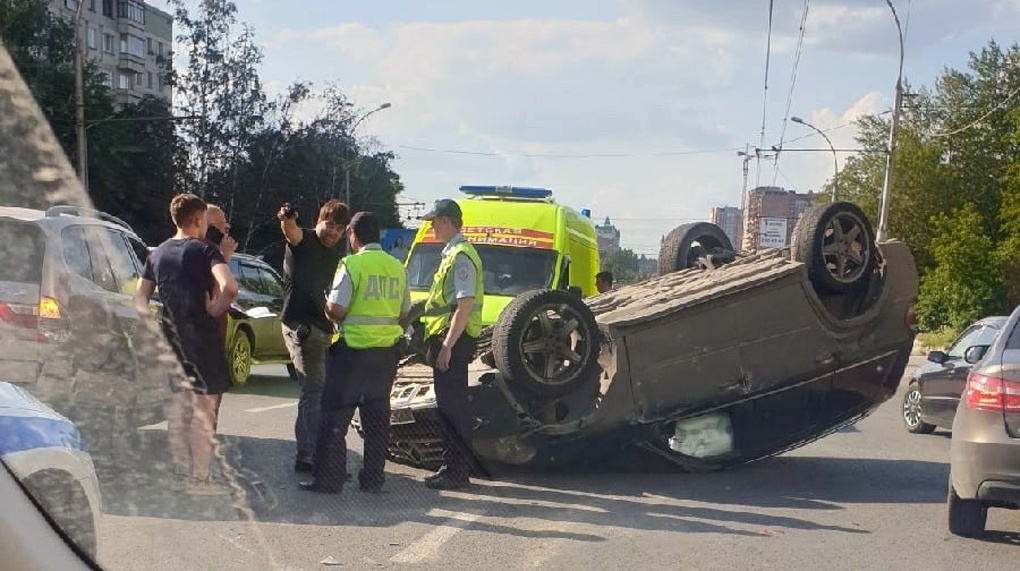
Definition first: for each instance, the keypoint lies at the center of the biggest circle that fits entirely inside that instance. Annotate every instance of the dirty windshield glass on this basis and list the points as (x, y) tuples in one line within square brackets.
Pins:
[(773, 211)]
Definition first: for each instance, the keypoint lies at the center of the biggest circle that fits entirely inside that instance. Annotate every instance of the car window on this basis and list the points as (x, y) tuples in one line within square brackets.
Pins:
[(141, 251), (122, 261), (986, 337), (967, 339), (270, 282), (102, 270), (248, 277), (20, 248), (76, 251)]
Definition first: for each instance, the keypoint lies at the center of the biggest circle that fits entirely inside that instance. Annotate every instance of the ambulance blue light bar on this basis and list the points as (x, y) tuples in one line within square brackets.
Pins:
[(511, 191)]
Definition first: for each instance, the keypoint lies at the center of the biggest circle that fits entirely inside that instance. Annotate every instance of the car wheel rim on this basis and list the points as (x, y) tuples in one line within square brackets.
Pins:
[(553, 345), (845, 248), (242, 359), (912, 408)]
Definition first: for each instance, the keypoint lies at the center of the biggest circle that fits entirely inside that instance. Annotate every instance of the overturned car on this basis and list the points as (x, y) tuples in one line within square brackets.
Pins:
[(724, 359)]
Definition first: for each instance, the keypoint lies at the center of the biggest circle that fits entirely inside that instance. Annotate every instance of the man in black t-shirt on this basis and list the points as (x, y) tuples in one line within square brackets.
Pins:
[(195, 288), (309, 262)]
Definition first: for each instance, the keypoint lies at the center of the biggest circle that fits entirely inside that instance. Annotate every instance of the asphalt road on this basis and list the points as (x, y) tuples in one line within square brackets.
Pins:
[(870, 497)]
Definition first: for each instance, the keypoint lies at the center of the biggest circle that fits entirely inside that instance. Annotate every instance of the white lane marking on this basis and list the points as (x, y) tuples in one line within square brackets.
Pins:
[(427, 547), (273, 407)]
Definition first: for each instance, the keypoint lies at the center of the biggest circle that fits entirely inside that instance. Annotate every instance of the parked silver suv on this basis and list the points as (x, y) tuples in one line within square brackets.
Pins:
[(70, 334)]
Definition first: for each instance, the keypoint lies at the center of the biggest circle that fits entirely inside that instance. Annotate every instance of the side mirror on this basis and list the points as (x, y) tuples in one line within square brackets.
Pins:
[(938, 357), (975, 353)]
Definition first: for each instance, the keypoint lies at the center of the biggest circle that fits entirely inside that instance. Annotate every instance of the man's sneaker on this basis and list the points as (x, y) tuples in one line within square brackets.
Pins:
[(206, 488), (446, 482)]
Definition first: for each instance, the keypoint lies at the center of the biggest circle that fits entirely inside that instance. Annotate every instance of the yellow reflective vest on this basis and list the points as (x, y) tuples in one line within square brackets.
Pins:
[(380, 284), (438, 309)]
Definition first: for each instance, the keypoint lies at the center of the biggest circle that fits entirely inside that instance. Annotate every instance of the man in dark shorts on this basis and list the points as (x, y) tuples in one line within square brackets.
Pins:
[(309, 262), (195, 288)]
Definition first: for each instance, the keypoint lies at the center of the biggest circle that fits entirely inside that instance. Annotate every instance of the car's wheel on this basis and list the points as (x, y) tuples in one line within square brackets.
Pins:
[(239, 358), (837, 244), (546, 342), (686, 244), (967, 518), (912, 411)]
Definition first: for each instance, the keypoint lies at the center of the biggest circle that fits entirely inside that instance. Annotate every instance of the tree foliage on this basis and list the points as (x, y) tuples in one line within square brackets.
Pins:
[(955, 194)]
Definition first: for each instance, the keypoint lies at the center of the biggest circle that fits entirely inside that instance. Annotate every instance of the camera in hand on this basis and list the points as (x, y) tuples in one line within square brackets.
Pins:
[(289, 211), (214, 235)]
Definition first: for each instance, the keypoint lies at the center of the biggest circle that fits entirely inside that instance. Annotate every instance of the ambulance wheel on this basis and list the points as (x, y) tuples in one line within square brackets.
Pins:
[(546, 342), (836, 243), (686, 245)]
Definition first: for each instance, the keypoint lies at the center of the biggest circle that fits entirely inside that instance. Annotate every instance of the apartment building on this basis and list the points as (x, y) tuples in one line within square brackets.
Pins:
[(731, 220), (126, 39), (772, 213)]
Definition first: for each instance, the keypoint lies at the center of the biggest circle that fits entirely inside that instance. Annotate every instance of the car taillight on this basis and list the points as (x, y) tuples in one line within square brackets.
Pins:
[(49, 308), (992, 393), (53, 324), (910, 319), (18, 315)]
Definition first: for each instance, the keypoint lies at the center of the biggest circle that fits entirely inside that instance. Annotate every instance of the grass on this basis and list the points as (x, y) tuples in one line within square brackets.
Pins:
[(932, 340)]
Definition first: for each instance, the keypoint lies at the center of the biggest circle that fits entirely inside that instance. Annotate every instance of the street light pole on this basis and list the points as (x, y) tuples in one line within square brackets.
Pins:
[(835, 160), (883, 219), (347, 167)]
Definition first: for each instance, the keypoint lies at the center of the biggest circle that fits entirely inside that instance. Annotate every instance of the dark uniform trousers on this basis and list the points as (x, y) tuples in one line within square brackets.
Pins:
[(362, 379), (451, 389)]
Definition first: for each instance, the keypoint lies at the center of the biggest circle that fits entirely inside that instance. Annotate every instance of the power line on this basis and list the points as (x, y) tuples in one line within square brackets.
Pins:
[(566, 155), (793, 83), (765, 96), (974, 123)]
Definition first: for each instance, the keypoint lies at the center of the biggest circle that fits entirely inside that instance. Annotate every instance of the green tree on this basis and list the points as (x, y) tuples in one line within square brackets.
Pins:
[(964, 283)]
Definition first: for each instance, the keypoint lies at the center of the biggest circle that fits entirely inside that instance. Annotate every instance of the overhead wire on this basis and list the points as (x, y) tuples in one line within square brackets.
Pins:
[(566, 155), (793, 84), (765, 96)]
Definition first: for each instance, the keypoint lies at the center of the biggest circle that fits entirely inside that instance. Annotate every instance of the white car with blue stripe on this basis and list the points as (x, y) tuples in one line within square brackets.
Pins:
[(45, 452)]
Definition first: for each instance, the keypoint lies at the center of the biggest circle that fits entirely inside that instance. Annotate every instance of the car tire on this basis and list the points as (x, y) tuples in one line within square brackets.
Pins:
[(239, 358), (912, 411), (685, 245), (837, 244), (540, 328), (967, 518)]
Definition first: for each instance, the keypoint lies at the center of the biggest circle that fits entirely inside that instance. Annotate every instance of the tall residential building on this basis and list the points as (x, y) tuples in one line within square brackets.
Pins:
[(731, 220), (772, 213), (124, 38), (608, 237)]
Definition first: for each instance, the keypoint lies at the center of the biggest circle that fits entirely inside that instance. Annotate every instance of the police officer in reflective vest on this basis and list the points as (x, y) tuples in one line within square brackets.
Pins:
[(453, 321), (368, 301)]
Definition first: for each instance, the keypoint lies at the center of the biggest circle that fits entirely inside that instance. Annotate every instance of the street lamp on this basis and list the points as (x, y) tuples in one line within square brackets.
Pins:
[(347, 169), (883, 219), (835, 161)]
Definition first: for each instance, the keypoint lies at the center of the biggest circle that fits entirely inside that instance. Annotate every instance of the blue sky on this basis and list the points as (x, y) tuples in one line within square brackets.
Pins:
[(675, 85)]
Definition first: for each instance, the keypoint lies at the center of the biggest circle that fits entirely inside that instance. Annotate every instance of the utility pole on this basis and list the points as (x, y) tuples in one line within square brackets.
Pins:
[(79, 100), (883, 218)]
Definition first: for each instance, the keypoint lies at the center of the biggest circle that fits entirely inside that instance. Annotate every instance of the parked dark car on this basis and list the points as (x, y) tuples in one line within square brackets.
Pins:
[(68, 327), (985, 449), (935, 388), (253, 324)]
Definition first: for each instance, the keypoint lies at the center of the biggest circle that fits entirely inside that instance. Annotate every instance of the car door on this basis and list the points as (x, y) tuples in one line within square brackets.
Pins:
[(95, 304), (272, 287), (942, 386)]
